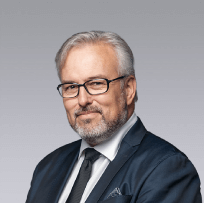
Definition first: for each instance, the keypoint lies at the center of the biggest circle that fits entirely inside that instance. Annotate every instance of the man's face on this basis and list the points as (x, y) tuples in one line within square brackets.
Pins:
[(94, 117)]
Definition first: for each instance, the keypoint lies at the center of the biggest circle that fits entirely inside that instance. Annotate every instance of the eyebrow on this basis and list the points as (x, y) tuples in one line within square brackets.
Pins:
[(96, 76), (89, 78)]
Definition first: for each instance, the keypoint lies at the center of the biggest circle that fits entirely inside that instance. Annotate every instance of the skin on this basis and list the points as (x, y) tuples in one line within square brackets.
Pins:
[(89, 62)]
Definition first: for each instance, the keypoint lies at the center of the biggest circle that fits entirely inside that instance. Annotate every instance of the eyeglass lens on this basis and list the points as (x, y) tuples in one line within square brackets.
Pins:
[(97, 86)]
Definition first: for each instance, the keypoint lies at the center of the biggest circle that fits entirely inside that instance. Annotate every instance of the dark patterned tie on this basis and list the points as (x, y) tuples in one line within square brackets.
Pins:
[(91, 155)]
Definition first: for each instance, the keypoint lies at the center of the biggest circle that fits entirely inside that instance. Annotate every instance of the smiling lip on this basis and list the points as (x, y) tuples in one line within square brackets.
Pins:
[(86, 113)]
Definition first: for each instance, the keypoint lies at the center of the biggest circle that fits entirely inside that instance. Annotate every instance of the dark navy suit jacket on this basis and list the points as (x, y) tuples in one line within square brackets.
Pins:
[(147, 169)]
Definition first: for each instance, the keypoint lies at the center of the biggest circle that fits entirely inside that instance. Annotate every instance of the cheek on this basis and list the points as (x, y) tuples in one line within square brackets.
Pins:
[(117, 105), (69, 107), (110, 105)]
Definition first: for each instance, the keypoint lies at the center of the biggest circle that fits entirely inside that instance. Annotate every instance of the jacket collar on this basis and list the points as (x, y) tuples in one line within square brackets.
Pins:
[(128, 147), (135, 134)]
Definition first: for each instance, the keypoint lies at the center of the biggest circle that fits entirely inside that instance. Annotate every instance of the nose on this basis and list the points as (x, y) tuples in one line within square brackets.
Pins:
[(84, 98)]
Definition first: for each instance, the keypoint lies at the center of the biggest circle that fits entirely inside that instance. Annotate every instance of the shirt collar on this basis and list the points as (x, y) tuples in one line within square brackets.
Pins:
[(110, 147)]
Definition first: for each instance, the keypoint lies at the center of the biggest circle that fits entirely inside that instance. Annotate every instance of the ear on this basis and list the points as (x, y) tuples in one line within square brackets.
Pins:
[(130, 89)]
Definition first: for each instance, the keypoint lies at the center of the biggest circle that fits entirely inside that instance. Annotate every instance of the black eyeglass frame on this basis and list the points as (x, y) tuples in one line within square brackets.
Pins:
[(80, 85)]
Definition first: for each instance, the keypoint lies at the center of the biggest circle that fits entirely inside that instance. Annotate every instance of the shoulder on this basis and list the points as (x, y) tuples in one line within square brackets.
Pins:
[(156, 144), (158, 148), (160, 154), (57, 162), (165, 173), (60, 153)]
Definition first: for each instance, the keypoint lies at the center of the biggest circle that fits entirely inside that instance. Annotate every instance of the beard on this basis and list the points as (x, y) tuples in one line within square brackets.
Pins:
[(104, 129)]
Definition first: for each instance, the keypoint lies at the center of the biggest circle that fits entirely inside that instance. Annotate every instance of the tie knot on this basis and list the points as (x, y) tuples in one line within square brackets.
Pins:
[(91, 154)]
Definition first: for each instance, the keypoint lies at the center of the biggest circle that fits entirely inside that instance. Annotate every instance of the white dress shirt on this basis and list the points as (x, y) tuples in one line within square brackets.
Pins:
[(108, 150)]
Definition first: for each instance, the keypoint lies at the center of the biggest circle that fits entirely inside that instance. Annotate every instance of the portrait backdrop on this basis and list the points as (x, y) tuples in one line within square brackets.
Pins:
[(167, 40)]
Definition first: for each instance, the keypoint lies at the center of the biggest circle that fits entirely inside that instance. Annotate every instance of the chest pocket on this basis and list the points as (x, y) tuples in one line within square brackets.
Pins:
[(118, 199)]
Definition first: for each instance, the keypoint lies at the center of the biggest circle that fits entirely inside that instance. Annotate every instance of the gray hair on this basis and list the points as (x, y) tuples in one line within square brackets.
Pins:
[(123, 52)]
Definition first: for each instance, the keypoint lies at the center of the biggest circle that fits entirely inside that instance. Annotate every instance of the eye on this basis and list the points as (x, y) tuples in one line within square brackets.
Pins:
[(71, 87), (96, 83)]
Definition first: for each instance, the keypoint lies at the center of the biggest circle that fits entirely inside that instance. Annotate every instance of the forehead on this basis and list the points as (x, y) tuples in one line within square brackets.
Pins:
[(89, 61)]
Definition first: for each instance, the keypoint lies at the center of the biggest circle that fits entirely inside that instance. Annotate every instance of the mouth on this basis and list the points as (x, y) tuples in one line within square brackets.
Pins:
[(86, 113), (90, 112)]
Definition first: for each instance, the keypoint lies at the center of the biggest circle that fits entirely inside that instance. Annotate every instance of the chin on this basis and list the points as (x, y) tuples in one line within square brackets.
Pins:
[(99, 132), (95, 140), (95, 131)]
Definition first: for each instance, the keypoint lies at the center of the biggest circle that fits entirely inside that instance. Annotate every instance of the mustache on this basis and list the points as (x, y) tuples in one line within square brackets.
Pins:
[(87, 108)]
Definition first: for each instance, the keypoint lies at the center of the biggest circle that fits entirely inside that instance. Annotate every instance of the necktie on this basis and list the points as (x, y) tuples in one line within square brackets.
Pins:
[(91, 155)]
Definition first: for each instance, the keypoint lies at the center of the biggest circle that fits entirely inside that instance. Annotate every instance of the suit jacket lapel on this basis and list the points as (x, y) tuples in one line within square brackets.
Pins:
[(64, 173), (128, 147)]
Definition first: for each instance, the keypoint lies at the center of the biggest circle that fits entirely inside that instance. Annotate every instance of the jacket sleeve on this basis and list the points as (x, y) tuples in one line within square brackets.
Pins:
[(32, 189), (173, 180)]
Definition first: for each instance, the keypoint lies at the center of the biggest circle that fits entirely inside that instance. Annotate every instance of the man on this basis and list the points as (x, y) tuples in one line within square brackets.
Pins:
[(117, 159)]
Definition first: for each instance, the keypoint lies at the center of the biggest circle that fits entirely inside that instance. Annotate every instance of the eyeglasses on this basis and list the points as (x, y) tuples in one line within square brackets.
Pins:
[(93, 87)]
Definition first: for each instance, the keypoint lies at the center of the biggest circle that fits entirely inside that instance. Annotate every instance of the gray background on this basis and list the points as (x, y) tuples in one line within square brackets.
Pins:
[(167, 41)]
